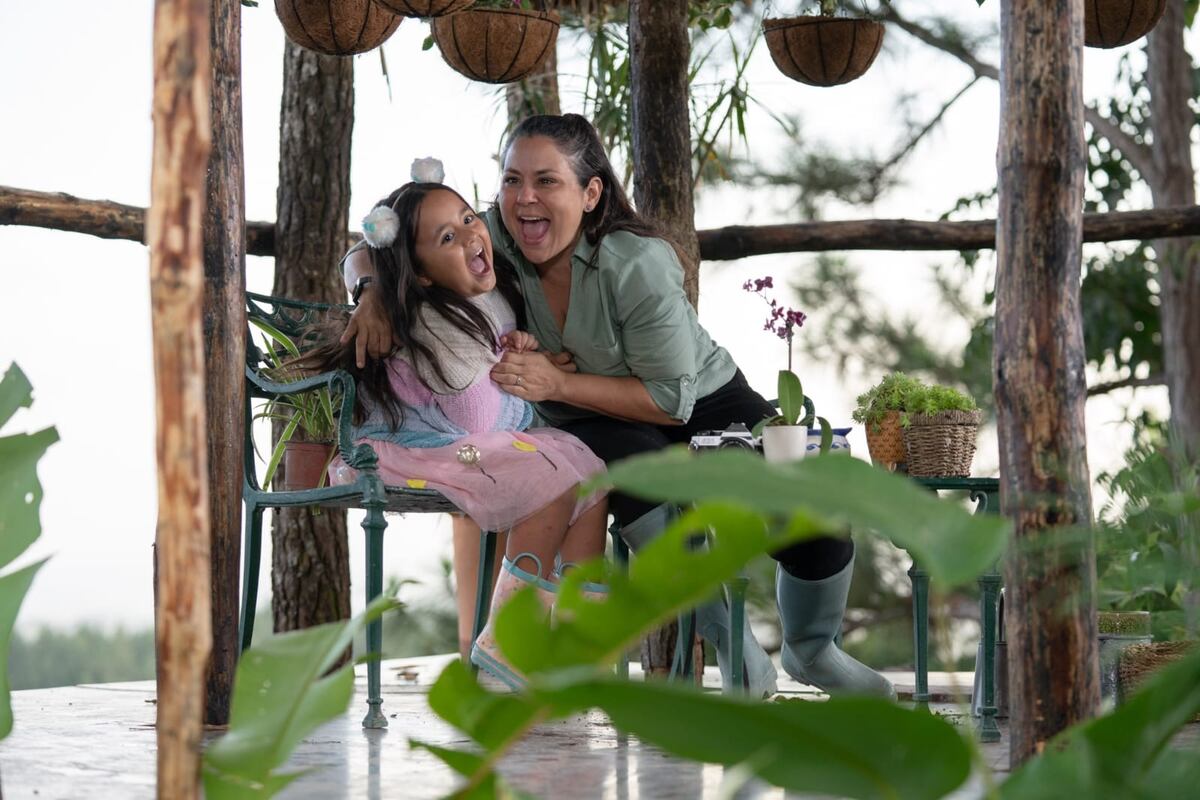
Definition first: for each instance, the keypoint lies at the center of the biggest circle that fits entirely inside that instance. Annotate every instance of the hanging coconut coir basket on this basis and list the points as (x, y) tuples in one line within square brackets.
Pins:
[(496, 45), (336, 27), (1112, 23), (823, 51), (424, 8)]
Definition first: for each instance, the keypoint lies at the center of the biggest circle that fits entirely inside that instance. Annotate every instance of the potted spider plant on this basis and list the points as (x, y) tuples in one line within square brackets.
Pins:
[(336, 27), (823, 49), (306, 444), (497, 41)]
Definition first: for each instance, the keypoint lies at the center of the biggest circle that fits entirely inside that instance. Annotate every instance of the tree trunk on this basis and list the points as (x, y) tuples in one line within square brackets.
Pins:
[(659, 52), (174, 231), (225, 347), (1038, 365), (662, 136), (310, 572), (1169, 76), (536, 94)]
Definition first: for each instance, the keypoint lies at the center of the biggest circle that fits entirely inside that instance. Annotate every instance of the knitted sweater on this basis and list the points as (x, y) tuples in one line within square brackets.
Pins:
[(438, 412)]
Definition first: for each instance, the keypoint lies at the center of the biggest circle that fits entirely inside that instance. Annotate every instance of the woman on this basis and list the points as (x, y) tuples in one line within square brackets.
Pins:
[(601, 285)]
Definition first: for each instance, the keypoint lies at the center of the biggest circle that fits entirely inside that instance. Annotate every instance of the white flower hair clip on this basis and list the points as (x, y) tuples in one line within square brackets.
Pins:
[(380, 227), (427, 170)]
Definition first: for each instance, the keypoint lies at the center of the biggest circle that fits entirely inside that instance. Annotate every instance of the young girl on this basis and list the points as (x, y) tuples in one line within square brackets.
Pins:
[(435, 417)]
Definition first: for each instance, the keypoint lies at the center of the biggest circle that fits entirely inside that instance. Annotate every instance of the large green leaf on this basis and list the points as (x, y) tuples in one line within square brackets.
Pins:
[(1122, 754), (20, 491), (12, 591), (281, 693), (15, 392), (953, 545), (489, 719), (669, 575), (847, 747)]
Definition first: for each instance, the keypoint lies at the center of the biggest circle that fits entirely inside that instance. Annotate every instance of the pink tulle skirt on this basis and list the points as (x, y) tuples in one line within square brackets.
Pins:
[(518, 473)]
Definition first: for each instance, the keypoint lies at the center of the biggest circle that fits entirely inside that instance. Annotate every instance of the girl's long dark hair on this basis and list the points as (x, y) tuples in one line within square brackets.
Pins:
[(580, 144), (402, 295)]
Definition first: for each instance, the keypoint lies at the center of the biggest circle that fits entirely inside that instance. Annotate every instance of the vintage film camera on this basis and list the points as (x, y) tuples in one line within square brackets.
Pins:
[(736, 436)]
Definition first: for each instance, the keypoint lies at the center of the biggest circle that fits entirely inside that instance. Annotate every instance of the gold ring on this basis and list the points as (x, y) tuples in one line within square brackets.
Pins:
[(518, 380)]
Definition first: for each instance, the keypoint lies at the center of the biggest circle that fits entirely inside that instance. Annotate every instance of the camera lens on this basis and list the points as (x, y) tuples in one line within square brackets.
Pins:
[(733, 441)]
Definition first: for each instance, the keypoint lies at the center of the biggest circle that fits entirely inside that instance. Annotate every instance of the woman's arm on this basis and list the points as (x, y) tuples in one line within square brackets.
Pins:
[(369, 327), (623, 397)]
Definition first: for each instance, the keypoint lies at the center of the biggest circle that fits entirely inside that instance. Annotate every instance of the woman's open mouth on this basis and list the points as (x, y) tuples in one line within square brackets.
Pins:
[(533, 230)]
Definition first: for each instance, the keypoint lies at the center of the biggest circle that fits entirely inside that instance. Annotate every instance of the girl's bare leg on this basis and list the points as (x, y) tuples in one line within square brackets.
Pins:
[(586, 538), (466, 575), (542, 534)]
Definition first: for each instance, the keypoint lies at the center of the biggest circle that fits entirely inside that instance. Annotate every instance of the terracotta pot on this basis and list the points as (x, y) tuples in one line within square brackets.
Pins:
[(1112, 23), (304, 465), (496, 45), (424, 8), (336, 27), (823, 51), (885, 440)]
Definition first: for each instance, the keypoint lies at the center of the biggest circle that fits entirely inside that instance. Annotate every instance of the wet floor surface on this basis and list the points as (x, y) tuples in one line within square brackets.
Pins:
[(98, 742)]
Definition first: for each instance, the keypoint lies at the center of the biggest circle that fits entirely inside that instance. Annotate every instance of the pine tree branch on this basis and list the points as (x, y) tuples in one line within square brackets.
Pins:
[(1138, 154), (1156, 379)]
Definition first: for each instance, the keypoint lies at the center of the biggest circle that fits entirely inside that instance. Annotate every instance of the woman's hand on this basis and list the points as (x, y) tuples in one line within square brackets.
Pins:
[(564, 361), (530, 376), (369, 328), (519, 342)]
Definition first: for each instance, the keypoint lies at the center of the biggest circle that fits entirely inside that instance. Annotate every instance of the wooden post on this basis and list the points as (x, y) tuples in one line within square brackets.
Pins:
[(310, 558), (174, 227), (659, 50), (224, 347), (1039, 373)]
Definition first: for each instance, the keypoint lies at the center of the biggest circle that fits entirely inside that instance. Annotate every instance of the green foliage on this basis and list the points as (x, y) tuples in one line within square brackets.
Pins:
[(1124, 754), (20, 525), (284, 688), (86, 654), (310, 415), (890, 394), (933, 399)]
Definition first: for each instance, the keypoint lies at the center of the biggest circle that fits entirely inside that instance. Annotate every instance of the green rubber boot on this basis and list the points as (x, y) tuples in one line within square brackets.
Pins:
[(810, 613), (712, 618)]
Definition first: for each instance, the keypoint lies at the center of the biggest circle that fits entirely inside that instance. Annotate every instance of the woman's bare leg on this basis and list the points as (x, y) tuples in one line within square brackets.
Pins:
[(466, 575)]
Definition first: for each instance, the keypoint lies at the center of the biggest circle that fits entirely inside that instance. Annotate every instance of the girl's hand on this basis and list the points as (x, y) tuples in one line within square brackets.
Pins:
[(530, 376), (519, 342), (369, 328)]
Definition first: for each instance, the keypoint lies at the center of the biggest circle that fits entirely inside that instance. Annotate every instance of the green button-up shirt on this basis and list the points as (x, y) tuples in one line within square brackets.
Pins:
[(628, 315)]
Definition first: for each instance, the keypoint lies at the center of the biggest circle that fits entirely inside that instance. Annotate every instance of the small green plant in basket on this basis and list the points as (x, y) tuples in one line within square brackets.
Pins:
[(308, 417)]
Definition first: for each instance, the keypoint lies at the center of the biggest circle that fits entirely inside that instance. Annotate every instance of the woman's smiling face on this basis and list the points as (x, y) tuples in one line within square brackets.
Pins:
[(454, 249), (541, 201)]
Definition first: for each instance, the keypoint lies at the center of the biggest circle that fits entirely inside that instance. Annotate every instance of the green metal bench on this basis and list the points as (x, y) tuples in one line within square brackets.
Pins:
[(368, 492), (985, 493)]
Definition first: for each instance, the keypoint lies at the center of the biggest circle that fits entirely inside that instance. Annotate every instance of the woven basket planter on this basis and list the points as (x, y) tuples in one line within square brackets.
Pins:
[(1141, 661), (424, 8), (336, 27), (496, 45), (885, 440), (941, 445), (823, 51), (1112, 23)]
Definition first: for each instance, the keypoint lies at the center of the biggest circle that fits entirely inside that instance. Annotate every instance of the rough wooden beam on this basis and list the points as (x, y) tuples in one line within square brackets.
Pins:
[(1038, 364), (174, 233), (110, 220), (225, 347)]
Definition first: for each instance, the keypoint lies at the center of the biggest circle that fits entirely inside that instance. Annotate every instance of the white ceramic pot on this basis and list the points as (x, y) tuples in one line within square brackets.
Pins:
[(784, 443)]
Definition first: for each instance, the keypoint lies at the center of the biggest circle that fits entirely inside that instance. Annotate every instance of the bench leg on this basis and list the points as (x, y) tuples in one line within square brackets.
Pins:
[(621, 556), (920, 595), (989, 585), (373, 526), (250, 563), (483, 584)]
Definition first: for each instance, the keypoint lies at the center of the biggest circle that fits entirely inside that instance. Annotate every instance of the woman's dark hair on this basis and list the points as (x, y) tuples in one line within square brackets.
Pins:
[(579, 143), (402, 295)]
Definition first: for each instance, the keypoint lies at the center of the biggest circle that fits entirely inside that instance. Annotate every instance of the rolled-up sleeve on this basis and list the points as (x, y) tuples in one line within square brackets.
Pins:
[(655, 323)]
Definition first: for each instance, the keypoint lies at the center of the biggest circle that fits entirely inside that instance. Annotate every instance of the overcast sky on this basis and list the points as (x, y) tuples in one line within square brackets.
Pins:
[(74, 310)]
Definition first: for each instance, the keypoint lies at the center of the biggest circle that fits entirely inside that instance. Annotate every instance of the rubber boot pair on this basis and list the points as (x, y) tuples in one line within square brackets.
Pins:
[(810, 613), (712, 619), (485, 652)]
